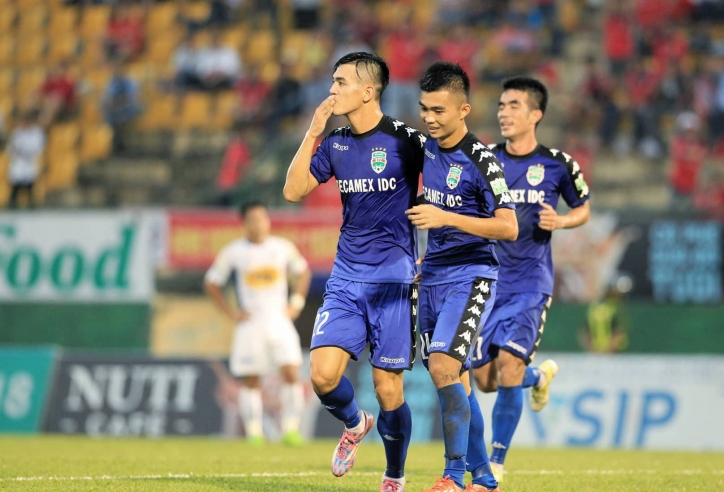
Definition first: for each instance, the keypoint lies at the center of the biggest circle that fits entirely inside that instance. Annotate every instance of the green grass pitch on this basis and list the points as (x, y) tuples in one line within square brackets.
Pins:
[(82, 464)]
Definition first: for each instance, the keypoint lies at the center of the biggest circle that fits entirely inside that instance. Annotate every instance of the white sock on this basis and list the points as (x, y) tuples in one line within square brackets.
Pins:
[(292, 399), (251, 411), (359, 427)]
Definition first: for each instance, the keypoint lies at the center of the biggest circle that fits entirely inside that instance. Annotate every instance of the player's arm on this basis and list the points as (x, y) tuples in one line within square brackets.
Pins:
[(550, 220), (215, 279), (300, 288), (300, 181), (216, 294), (503, 225)]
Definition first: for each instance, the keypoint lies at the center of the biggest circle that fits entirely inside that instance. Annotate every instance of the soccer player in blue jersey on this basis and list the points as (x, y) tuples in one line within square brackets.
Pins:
[(537, 177), (468, 208), (370, 296)]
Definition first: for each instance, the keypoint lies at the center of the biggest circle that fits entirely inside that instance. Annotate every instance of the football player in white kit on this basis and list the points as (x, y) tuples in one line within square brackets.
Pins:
[(264, 267)]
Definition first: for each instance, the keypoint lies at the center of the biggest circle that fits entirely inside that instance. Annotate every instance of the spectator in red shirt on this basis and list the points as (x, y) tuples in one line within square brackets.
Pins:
[(253, 93), (234, 167), (57, 95), (642, 84), (688, 154), (404, 51), (618, 38), (461, 47), (125, 35)]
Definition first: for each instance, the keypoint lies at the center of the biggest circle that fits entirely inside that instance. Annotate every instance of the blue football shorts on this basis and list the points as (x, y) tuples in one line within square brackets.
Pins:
[(354, 314), (451, 316), (515, 325)]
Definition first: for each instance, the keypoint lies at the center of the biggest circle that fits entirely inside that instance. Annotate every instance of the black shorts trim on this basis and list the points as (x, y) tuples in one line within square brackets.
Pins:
[(467, 330)]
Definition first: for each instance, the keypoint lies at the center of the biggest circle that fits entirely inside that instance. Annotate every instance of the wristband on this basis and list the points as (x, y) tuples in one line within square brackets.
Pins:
[(297, 301)]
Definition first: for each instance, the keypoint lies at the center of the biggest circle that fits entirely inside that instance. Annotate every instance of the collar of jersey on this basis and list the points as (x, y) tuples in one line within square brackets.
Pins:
[(521, 157), (456, 147), (369, 132)]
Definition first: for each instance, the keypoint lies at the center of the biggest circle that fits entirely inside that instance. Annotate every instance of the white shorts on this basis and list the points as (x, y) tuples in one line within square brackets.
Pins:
[(258, 347)]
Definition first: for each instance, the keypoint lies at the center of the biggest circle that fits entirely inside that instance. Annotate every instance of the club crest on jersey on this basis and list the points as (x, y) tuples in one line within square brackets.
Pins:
[(379, 159), (535, 174), (453, 176)]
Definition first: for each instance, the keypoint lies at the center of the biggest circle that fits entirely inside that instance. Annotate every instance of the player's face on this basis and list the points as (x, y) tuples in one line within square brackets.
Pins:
[(515, 115), (257, 224), (444, 113), (349, 90)]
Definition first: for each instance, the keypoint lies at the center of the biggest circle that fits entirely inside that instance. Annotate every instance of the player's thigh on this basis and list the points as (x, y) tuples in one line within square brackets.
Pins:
[(248, 350), (390, 313), (465, 305), (522, 331), (340, 322)]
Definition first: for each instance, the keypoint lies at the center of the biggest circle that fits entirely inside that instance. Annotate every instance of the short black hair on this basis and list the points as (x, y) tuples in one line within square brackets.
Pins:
[(245, 207), (537, 92), (375, 66), (446, 76)]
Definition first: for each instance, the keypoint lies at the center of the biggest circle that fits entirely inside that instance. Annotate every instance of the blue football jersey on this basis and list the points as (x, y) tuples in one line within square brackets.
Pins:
[(377, 173), (543, 175), (466, 179)]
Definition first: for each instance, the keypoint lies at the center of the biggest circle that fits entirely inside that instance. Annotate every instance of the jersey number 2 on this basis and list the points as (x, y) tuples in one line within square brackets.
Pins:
[(319, 322)]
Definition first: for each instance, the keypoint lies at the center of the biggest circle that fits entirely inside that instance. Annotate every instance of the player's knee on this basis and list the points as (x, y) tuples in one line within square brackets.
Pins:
[(389, 394), (442, 372), (324, 381), (485, 383)]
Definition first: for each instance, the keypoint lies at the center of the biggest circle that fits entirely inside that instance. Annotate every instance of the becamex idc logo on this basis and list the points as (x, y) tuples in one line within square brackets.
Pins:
[(535, 174), (379, 159), (453, 176)]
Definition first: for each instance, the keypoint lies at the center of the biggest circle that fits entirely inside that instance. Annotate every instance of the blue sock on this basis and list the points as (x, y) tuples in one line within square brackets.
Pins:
[(395, 427), (532, 375), (455, 410), (506, 415), (477, 458), (341, 403)]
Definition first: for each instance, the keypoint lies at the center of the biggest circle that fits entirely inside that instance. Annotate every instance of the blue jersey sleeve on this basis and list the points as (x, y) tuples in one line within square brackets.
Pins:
[(573, 186), (321, 166), (491, 182)]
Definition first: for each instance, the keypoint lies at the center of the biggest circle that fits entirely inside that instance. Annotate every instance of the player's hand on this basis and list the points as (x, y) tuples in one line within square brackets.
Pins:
[(321, 115), (549, 219), (426, 217), (241, 316), (293, 313), (418, 276)]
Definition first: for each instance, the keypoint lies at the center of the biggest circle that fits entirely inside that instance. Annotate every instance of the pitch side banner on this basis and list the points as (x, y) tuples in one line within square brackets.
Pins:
[(25, 374), (68, 256), (195, 236), (600, 401), (668, 261), (126, 396)]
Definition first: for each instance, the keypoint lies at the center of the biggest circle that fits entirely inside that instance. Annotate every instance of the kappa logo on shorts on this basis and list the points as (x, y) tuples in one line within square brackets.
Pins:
[(516, 346), (475, 310), (461, 350), (466, 336), (437, 344), (387, 360)]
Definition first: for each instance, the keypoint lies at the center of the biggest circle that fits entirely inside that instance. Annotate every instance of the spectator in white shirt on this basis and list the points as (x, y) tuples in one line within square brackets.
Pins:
[(25, 148), (219, 66)]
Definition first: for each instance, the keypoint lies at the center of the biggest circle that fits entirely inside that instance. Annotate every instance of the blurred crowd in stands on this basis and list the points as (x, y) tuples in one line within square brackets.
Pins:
[(641, 79)]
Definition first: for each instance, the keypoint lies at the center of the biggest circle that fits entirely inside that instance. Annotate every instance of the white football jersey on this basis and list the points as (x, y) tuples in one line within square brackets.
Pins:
[(259, 273)]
